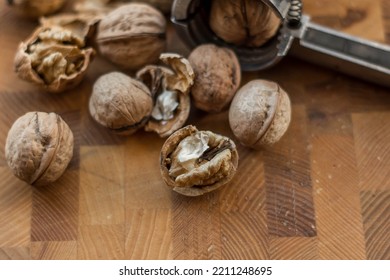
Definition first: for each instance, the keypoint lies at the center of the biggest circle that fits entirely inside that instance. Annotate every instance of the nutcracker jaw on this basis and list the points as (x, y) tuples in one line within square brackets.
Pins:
[(190, 19)]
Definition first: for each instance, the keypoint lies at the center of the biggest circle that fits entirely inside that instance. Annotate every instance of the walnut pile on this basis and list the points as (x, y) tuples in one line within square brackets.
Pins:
[(54, 58), (132, 35), (39, 147), (249, 23), (195, 162), (217, 77), (260, 113)]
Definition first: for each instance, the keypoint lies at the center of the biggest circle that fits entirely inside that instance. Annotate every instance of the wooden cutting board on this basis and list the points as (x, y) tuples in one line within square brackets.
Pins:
[(322, 192)]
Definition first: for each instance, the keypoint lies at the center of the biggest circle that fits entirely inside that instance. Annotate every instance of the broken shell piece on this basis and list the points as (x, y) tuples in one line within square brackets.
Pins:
[(82, 25), (170, 91), (195, 162), (54, 58)]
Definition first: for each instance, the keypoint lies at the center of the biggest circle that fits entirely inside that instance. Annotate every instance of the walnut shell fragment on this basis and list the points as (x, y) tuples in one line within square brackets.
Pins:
[(35, 8), (120, 103), (260, 113), (170, 90), (217, 77), (195, 162), (82, 25), (53, 58), (39, 147), (132, 35), (248, 23)]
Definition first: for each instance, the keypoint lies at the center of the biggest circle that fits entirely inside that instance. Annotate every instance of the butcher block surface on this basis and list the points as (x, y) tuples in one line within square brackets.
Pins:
[(322, 192)]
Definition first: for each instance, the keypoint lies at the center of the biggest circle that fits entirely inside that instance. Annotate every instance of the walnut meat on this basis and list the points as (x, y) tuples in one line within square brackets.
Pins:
[(132, 35), (120, 103), (248, 23), (196, 162), (260, 113), (35, 8), (169, 88), (39, 147), (217, 77), (54, 58)]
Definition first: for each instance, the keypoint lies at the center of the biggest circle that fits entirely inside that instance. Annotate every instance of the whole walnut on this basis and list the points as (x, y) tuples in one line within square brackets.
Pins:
[(39, 147), (217, 77), (120, 103), (54, 58), (248, 23), (132, 35), (169, 87), (260, 113), (194, 162), (35, 8)]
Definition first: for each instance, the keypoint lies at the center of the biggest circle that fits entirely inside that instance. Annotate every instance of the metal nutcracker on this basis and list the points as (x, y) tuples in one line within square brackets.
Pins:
[(297, 35)]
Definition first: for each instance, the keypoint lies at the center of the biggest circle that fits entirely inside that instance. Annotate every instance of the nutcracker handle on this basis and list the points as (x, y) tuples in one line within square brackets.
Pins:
[(348, 54)]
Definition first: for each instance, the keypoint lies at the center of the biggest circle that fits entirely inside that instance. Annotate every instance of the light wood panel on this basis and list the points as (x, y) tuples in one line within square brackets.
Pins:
[(322, 192)]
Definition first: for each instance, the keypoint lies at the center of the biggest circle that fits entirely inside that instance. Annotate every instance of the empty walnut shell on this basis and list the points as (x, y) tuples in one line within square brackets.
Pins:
[(39, 147), (169, 88), (132, 35), (248, 23), (35, 8), (120, 103), (260, 113), (53, 58), (217, 77), (195, 162)]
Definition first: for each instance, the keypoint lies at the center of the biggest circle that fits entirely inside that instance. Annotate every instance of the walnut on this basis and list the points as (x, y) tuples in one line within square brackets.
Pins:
[(169, 88), (217, 77), (120, 103), (39, 147), (260, 113), (196, 162), (248, 23), (35, 8), (132, 35), (54, 58)]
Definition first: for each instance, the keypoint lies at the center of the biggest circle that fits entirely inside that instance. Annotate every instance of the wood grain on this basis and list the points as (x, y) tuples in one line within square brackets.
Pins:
[(322, 192)]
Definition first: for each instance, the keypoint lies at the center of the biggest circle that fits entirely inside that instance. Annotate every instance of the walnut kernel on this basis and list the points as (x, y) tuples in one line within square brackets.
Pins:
[(132, 35), (39, 147), (195, 162), (54, 58), (260, 113), (120, 103), (248, 23), (217, 77)]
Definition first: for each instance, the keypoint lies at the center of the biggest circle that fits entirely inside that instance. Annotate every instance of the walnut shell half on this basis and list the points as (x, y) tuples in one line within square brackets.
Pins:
[(260, 113), (53, 58), (39, 147), (196, 162), (170, 90)]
